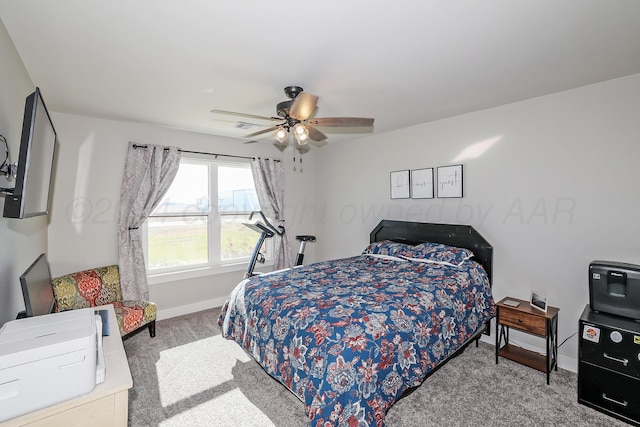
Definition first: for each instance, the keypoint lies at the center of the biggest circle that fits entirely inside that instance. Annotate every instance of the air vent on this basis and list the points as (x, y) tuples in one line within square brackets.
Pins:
[(244, 125)]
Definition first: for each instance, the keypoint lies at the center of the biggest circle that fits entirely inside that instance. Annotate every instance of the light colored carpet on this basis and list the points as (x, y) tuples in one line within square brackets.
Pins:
[(190, 376)]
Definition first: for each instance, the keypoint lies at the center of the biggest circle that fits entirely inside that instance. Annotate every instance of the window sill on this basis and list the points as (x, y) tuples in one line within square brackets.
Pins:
[(154, 279)]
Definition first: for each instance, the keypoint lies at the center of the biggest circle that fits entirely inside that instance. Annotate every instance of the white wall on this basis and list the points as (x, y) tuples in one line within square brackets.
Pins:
[(21, 240), (554, 188), (550, 182), (83, 230)]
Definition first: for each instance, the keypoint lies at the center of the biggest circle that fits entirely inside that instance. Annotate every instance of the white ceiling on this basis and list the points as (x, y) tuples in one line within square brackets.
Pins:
[(401, 62)]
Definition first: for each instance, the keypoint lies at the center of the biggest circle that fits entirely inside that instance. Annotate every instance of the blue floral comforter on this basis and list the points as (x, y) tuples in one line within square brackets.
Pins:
[(349, 336)]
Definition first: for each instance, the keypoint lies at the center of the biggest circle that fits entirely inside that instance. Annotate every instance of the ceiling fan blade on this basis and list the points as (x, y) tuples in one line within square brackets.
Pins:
[(263, 131), (341, 122), (247, 116), (315, 134), (303, 106)]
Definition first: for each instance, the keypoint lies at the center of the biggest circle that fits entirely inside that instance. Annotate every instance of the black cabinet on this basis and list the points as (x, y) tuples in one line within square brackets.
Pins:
[(609, 365)]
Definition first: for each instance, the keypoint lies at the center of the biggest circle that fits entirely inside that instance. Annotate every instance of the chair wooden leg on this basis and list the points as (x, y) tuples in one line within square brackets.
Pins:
[(152, 329)]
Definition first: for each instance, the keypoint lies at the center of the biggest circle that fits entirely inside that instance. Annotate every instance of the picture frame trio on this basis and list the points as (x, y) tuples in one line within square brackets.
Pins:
[(420, 183)]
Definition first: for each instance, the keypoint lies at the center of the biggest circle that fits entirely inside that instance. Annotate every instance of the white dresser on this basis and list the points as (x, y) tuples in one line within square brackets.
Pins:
[(106, 405)]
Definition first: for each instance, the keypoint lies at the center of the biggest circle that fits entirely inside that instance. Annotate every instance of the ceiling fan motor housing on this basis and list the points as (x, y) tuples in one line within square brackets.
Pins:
[(292, 91), (283, 108)]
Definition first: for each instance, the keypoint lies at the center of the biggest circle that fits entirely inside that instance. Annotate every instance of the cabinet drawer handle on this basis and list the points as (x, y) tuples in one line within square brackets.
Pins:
[(520, 320), (623, 361), (623, 403)]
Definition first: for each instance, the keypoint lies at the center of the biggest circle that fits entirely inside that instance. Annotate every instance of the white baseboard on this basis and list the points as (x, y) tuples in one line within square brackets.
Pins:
[(168, 313)]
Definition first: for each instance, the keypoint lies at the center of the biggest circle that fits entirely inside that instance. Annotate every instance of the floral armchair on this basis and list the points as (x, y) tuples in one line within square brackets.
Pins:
[(100, 286)]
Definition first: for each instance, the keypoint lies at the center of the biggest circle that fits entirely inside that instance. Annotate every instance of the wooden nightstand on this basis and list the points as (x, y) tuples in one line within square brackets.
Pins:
[(533, 321)]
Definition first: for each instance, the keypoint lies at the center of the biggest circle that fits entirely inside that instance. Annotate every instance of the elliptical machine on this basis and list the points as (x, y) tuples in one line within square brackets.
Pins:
[(267, 231)]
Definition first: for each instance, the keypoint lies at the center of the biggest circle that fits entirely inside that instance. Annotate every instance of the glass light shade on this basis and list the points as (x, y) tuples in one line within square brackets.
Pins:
[(300, 129), (301, 133), (281, 135)]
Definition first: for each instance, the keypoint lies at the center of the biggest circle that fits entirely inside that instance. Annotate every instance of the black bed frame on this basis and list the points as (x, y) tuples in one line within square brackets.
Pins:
[(462, 236), (414, 233)]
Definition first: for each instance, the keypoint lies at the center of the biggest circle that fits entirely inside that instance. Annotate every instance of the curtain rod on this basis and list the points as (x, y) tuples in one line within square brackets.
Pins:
[(208, 154)]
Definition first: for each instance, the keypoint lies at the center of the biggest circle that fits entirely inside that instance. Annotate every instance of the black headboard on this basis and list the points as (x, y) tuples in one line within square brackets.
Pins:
[(414, 233)]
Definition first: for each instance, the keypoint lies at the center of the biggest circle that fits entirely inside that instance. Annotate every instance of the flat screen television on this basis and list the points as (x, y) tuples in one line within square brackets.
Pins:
[(36, 288), (30, 196)]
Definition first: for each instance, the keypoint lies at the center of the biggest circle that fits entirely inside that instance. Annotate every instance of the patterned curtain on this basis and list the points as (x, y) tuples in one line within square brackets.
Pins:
[(268, 175), (148, 173)]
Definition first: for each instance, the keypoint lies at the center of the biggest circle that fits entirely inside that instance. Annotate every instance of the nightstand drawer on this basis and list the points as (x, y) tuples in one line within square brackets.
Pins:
[(523, 321)]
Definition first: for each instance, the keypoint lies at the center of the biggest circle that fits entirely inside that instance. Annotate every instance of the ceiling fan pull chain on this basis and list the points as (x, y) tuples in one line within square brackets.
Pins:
[(294, 159)]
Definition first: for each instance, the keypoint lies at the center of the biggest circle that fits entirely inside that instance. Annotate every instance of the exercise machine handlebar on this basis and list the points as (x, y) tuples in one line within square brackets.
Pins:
[(277, 230)]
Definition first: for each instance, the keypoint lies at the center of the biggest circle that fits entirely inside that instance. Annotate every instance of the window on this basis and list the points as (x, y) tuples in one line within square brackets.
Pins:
[(187, 231)]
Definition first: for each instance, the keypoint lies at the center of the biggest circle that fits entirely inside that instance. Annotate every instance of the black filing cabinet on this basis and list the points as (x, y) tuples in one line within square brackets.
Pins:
[(609, 365)]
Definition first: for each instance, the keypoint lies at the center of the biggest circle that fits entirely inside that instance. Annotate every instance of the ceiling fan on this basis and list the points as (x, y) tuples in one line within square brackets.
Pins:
[(294, 118)]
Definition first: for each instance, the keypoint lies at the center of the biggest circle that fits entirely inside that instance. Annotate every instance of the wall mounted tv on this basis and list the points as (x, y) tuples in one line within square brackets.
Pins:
[(34, 169)]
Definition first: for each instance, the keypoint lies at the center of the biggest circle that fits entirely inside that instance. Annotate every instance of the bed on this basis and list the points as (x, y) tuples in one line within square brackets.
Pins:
[(351, 336)]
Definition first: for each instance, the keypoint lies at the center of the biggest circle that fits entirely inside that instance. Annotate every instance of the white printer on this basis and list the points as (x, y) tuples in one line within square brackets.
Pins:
[(48, 359)]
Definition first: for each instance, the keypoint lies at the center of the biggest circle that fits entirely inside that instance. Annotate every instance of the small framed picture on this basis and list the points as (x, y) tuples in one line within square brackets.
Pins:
[(422, 183), (400, 184), (450, 181), (538, 301)]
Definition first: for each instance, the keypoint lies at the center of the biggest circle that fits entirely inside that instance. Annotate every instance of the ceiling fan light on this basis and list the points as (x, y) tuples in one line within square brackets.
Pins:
[(302, 138), (300, 130), (281, 135), (301, 133)]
